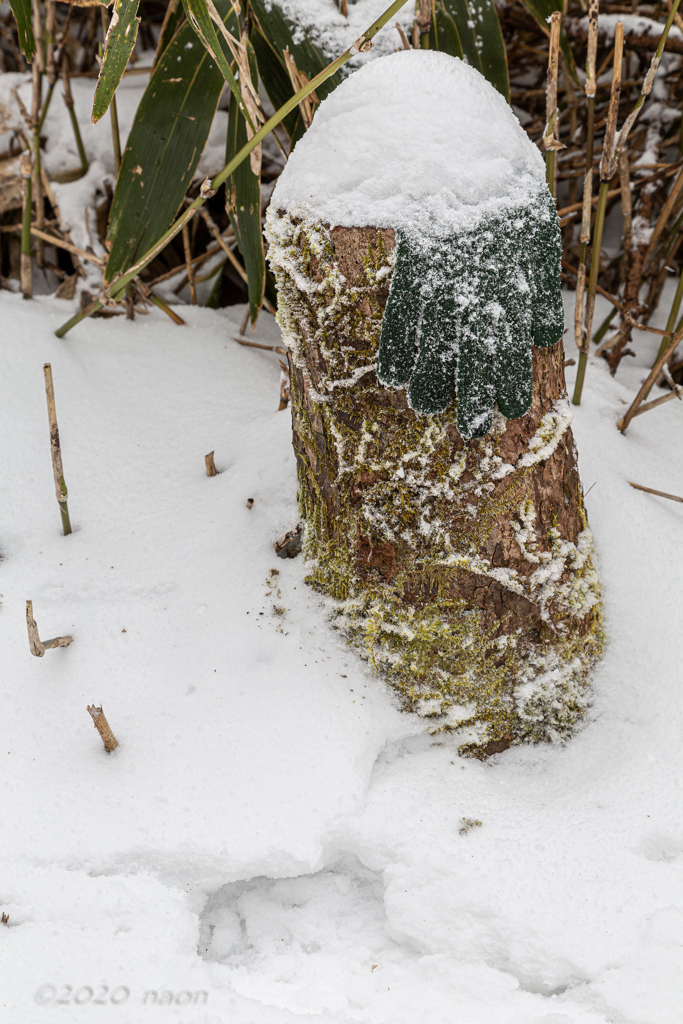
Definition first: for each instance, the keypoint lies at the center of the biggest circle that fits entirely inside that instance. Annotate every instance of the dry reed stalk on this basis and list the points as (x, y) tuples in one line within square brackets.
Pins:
[(646, 88), (299, 79), (607, 169), (581, 336), (210, 465), (673, 197), (36, 646), (650, 490), (165, 308), (103, 728), (69, 247), (188, 264), (551, 139), (213, 228), (113, 110), (649, 381), (626, 209), (256, 344), (56, 451), (25, 268), (69, 103), (404, 37)]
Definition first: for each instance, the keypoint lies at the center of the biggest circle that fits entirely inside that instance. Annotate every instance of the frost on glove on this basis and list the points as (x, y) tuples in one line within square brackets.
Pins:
[(463, 312)]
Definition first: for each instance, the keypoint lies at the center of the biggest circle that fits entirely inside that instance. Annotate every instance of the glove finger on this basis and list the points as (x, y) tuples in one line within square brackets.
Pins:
[(398, 337), (475, 381), (514, 376), (433, 380), (511, 326), (544, 274)]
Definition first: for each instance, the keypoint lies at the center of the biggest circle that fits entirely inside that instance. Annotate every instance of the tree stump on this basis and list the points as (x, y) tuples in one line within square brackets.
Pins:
[(462, 570)]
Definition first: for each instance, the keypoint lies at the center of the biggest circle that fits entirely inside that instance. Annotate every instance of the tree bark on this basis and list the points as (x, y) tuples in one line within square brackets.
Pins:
[(461, 569)]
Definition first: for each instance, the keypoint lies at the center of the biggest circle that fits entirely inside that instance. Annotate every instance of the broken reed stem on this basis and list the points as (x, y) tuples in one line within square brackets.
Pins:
[(256, 344), (668, 397), (581, 334), (626, 204), (103, 728), (673, 196), (213, 228), (650, 490), (673, 316), (36, 646), (551, 140), (646, 88), (188, 264), (69, 102), (113, 111), (160, 304), (69, 246), (56, 451), (649, 381), (362, 45), (210, 465), (607, 169), (25, 268)]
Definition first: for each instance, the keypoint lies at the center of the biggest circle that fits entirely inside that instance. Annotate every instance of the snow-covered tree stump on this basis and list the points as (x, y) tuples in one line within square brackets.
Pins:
[(450, 540)]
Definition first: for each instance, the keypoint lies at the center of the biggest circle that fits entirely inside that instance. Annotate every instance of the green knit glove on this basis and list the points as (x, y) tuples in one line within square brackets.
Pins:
[(463, 312)]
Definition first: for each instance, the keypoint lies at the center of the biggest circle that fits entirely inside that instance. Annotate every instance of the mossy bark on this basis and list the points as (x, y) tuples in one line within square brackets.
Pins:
[(462, 569)]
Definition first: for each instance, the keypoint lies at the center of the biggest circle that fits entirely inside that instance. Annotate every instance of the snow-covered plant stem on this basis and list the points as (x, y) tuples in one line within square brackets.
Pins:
[(209, 188)]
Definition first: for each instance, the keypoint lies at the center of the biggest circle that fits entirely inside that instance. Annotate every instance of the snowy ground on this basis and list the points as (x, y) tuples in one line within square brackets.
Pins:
[(273, 841)]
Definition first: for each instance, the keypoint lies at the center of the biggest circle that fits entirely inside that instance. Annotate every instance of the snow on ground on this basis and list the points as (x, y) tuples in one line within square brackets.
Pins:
[(273, 841)]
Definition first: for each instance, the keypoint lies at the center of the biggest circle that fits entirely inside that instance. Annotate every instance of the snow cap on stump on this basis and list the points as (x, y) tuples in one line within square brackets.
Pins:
[(416, 141)]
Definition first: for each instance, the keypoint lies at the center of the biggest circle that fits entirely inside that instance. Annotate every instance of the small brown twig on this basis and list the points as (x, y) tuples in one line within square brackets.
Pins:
[(650, 490), (668, 397), (188, 264), (36, 646), (210, 465), (649, 381), (69, 246), (255, 344), (56, 451), (103, 728)]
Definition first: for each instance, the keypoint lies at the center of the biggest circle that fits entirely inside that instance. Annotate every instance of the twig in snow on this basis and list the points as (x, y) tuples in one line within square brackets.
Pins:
[(649, 381), (56, 451), (36, 646), (103, 728), (255, 344), (210, 465), (650, 490)]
